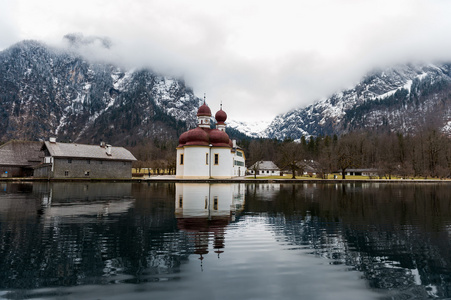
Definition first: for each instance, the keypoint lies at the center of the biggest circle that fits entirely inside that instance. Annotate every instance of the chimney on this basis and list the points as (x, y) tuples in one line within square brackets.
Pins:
[(52, 140), (234, 143), (102, 144), (108, 150)]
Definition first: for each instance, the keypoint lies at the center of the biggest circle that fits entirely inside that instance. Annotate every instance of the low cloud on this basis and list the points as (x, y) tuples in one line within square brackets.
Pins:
[(258, 57)]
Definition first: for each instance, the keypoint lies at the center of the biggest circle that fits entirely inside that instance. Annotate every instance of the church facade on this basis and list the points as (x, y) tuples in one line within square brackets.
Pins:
[(205, 153)]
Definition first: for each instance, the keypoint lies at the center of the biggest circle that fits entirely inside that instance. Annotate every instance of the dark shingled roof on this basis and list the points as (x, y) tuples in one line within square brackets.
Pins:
[(67, 150), (21, 153)]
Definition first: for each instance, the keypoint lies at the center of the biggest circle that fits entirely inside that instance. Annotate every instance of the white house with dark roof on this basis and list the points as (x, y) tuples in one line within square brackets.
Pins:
[(69, 160), (264, 168)]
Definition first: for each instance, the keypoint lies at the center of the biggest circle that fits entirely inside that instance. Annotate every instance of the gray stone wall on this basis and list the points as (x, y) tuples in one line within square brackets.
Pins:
[(42, 171), (83, 168)]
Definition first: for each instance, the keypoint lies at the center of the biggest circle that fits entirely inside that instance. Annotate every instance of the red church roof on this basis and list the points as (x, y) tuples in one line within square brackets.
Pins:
[(201, 136)]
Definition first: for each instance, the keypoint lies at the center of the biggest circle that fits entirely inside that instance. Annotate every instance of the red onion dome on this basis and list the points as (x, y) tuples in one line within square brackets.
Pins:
[(221, 116), (204, 110), (197, 136), (219, 138), (183, 138)]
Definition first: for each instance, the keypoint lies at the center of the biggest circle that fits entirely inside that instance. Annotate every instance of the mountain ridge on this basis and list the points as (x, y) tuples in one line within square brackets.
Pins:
[(383, 100), (47, 91), (55, 92)]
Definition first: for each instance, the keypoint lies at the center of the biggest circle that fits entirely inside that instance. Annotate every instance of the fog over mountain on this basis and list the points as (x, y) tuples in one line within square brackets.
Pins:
[(403, 98), (282, 56), (49, 92)]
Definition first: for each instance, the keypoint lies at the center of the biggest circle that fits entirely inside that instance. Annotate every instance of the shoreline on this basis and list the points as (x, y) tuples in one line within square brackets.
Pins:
[(154, 179)]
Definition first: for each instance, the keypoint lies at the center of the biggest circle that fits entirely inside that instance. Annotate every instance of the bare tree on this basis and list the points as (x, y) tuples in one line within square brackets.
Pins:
[(256, 153), (348, 154), (290, 156)]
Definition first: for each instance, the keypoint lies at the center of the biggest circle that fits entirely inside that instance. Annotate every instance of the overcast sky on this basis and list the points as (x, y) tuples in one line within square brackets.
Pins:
[(260, 58)]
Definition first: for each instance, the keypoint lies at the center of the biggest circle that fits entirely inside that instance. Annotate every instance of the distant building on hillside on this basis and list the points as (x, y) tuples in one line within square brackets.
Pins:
[(264, 168), (205, 153), (17, 158), (68, 160)]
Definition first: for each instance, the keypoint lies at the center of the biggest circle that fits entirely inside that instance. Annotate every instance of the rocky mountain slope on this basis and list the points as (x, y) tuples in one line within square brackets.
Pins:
[(46, 92), (403, 98)]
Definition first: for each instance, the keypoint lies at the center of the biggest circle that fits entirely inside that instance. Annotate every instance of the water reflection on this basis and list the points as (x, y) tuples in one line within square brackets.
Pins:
[(82, 202), (268, 241), (58, 234), (396, 235), (204, 211)]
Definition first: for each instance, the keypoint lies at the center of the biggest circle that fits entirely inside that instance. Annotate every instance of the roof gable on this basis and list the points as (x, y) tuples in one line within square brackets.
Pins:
[(21, 153), (69, 150)]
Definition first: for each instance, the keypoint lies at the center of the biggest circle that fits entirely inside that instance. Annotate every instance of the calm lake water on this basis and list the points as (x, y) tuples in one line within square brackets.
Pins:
[(225, 241)]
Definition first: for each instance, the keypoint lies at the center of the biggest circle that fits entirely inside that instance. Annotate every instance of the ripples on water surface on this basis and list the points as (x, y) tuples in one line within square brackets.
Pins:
[(220, 241)]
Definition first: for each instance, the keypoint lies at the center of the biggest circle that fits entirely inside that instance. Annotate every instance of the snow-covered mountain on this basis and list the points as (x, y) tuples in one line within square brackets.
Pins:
[(401, 98), (48, 92), (255, 129)]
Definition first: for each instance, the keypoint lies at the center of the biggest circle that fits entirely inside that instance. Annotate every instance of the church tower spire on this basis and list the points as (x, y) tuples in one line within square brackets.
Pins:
[(204, 115), (221, 117)]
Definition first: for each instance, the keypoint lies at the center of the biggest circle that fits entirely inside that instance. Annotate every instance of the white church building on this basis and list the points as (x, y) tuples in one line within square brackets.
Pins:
[(205, 153)]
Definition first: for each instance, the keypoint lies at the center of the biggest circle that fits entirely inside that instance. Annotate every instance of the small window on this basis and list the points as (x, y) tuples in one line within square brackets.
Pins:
[(86, 173), (69, 160), (88, 161), (206, 158), (66, 173), (101, 162), (181, 159), (216, 159), (215, 203), (180, 201)]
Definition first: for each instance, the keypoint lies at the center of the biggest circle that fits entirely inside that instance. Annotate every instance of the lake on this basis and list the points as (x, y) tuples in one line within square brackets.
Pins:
[(225, 241)]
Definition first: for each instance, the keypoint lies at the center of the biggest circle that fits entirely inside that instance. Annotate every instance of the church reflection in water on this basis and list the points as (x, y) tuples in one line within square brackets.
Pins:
[(205, 210)]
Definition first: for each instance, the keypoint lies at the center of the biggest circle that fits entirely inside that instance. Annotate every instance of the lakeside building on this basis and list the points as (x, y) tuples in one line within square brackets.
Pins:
[(17, 158), (264, 168), (362, 172), (309, 167), (67, 160), (205, 153)]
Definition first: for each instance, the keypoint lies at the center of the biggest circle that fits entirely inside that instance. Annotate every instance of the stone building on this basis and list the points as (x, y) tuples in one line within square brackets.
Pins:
[(68, 160), (17, 158)]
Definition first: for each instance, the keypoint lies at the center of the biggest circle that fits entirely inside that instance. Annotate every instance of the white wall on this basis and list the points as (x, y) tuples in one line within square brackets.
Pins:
[(195, 163), (239, 170), (179, 172), (225, 167), (195, 167)]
